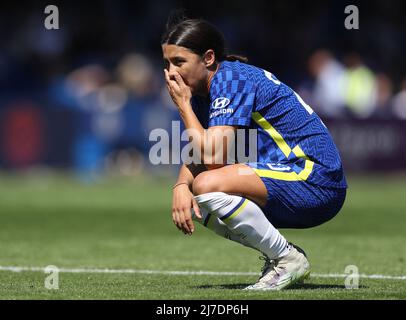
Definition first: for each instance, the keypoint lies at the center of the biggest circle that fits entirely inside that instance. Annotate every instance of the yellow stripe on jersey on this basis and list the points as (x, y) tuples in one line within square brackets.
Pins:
[(299, 152), (238, 211), (275, 135), (287, 176), (278, 175), (305, 173), (281, 143)]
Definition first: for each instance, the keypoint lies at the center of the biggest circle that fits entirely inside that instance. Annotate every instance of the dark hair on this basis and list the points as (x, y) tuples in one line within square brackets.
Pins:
[(198, 36)]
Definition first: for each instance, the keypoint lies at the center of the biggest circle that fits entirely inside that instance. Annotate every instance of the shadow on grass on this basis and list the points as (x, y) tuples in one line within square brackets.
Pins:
[(304, 286)]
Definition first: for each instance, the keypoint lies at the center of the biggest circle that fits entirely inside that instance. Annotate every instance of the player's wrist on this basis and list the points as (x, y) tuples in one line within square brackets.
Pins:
[(180, 183), (185, 106)]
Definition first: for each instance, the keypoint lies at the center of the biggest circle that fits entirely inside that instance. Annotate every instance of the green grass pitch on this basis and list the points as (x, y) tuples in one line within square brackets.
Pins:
[(125, 224)]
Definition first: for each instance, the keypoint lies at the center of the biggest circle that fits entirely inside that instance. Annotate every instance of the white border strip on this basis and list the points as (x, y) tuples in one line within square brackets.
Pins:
[(187, 273)]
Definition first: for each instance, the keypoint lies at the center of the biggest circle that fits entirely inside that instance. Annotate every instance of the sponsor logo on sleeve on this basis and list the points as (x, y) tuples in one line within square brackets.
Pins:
[(219, 105)]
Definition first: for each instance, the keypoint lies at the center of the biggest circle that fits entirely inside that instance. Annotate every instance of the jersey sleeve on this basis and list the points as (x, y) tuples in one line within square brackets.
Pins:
[(232, 100)]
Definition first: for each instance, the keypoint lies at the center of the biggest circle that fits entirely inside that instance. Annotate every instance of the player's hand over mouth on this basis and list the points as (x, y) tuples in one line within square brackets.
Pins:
[(178, 90)]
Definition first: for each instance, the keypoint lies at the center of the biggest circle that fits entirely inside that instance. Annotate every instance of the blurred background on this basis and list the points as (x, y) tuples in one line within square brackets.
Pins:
[(84, 98)]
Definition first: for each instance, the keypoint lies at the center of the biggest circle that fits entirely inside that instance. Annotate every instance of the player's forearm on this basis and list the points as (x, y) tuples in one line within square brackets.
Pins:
[(193, 125), (185, 176), (203, 138)]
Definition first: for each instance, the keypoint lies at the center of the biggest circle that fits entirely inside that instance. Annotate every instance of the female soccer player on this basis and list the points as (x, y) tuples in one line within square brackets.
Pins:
[(297, 180)]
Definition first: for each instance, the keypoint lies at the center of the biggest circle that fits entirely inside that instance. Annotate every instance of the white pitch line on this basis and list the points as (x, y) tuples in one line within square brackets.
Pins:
[(188, 273)]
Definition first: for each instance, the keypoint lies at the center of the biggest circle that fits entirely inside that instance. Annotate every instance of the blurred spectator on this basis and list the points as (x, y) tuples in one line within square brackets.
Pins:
[(135, 72), (83, 82), (384, 91), (328, 92), (360, 87), (399, 102)]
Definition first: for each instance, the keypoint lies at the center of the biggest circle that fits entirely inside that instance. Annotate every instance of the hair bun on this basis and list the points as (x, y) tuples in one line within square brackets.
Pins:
[(235, 57)]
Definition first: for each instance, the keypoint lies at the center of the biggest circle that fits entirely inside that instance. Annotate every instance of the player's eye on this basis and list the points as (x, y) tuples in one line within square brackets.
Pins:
[(178, 62)]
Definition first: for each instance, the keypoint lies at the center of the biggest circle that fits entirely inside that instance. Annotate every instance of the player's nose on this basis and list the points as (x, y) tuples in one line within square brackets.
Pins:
[(171, 68)]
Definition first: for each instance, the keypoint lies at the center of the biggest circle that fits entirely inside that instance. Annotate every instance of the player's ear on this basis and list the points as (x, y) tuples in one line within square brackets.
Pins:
[(209, 58)]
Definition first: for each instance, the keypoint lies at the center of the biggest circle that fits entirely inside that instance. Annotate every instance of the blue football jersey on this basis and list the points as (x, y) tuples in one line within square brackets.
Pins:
[(293, 144)]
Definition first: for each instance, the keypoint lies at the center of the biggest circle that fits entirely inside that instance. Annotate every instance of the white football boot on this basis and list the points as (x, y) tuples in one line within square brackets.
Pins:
[(283, 272)]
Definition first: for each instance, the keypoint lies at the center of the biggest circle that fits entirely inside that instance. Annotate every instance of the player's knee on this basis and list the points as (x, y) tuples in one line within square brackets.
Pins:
[(206, 182)]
